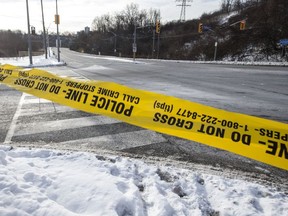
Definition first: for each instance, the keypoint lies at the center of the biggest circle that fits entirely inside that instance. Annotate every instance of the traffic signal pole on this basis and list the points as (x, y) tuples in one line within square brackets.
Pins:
[(158, 27), (29, 35), (242, 24), (134, 45), (202, 28)]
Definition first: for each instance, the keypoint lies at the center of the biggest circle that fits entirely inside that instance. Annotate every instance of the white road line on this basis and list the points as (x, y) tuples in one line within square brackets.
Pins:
[(111, 142), (48, 126), (36, 101), (118, 141), (44, 110), (45, 106), (13, 125)]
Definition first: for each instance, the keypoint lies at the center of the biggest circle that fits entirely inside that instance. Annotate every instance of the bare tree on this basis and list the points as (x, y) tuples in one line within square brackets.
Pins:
[(226, 5), (103, 23), (154, 15), (238, 5)]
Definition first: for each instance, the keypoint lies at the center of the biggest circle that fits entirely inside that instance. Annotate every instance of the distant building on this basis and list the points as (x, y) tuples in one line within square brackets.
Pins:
[(87, 30)]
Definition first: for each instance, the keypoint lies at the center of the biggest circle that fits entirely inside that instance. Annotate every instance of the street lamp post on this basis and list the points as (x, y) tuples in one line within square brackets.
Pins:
[(206, 28), (134, 46), (58, 38), (29, 35), (215, 51), (115, 44), (115, 41), (134, 43), (44, 31), (48, 40)]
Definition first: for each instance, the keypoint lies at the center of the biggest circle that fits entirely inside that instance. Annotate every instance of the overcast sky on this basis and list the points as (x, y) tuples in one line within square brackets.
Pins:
[(77, 14)]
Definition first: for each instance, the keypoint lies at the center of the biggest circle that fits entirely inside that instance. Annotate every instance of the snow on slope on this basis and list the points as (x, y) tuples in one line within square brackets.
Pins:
[(46, 182)]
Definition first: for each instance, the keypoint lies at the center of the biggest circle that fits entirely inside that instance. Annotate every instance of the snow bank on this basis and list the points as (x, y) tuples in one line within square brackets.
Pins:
[(45, 182), (224, 62), (38, 61), (254, 63)]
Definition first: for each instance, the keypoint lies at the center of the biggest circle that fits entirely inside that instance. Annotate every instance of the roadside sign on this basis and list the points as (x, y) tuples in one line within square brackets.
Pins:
[(134, 48), (207, 28), (283, 42)]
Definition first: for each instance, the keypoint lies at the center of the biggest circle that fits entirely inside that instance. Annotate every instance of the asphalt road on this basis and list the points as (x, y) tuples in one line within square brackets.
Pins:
[(258, 91), (253, 90)]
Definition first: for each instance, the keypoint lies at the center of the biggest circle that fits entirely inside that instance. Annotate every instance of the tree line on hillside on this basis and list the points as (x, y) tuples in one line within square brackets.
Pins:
[(231, 5), (266, 24), (114, 34), (12, 42), (265, 20)]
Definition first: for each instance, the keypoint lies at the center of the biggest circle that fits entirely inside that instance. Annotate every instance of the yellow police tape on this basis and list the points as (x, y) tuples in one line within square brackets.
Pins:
[(252, 137)]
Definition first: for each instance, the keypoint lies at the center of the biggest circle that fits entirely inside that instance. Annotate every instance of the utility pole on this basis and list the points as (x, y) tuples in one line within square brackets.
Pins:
[(44, 30), (29, 35), (158, 45), (153, 47), (48, 44), (134, 43), (215, 51), (115, 42), (57, 22), (183, 8)]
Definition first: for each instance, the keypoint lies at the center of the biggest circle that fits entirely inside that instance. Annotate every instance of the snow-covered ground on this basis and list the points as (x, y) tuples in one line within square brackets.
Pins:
[(38, 61), (46, 182), (52, 182)]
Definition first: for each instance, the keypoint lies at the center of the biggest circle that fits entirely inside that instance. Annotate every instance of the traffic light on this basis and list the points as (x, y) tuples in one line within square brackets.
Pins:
[(33, 31), (57, 19), (157, 27), (200, 28), (242, 25)]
